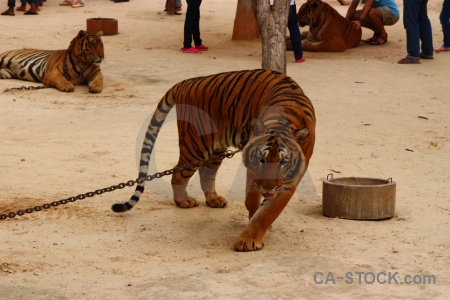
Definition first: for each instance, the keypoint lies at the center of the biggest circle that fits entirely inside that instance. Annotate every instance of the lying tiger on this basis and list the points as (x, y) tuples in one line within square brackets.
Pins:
[(328, 30), (262, 111), (62, 69)]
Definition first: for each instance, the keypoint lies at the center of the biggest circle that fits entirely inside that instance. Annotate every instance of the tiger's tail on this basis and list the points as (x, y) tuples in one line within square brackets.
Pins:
[(164, 106)]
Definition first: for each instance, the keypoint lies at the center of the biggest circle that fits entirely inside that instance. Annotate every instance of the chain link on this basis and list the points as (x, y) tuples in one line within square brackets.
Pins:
[(27, 88), (129, 183)]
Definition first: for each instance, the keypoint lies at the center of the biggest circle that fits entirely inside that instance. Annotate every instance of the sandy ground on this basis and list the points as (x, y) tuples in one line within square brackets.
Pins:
[(375, 118)]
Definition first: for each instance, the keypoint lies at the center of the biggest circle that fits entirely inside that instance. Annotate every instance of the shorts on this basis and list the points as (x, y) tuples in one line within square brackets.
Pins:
[(388, 17)]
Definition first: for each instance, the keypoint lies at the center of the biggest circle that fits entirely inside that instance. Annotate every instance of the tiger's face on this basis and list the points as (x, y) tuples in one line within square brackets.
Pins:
[(309, 12), (88, 47), (276, 160), (303, 17)]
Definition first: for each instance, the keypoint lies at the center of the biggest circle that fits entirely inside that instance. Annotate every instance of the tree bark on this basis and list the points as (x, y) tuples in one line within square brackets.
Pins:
[(245, 24), (170, 7), (272, 23)]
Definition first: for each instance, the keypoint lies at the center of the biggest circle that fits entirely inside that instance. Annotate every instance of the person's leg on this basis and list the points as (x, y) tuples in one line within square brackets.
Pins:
[(411, 24), (366, 23), (33, 7), (445, 22), (189, 24), (376, 19), (10, 10), (294, 32), (196, 28), (426, 35)]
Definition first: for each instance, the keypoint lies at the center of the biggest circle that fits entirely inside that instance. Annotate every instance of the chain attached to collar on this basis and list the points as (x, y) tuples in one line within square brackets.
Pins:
[(190, 166)]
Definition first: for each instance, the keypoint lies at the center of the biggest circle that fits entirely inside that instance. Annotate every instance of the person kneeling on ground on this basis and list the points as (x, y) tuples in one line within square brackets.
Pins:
[(375, 15)]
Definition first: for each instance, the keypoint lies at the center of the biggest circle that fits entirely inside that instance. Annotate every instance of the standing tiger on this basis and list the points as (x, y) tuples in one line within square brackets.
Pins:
[(328, 30), (62, 69), (264, 113)]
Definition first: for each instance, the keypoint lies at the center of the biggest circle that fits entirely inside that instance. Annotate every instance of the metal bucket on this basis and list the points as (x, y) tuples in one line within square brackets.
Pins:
[(358, 198), (108, 26)]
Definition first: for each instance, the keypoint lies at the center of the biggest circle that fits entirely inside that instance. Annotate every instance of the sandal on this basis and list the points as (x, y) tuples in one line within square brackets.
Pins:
[(65, 3), (441, 49), (409, 61), (373, 38), (426, 56), (77, 4), (376, 41), (8, 13)]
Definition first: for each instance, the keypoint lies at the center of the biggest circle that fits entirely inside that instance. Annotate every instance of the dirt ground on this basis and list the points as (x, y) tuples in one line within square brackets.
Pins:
[(375, 118)]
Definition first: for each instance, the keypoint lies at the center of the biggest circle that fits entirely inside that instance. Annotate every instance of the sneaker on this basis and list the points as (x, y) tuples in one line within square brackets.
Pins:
[(302, 59), (201, 47), (190, 50)]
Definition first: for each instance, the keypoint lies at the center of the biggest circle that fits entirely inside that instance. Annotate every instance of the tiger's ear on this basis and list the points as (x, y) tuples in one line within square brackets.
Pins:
[(258, 127), (81, 33), (300, 134)]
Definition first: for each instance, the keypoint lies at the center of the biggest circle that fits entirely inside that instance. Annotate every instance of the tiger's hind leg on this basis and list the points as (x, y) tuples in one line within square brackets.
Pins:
[(208, 174), (6, 74), (179, 184)]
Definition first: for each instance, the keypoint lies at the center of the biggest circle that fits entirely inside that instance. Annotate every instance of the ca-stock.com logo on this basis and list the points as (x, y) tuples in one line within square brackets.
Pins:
[(349, 278)]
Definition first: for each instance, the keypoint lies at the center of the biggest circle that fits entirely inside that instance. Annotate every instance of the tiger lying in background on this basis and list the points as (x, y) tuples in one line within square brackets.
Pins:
[(62, 69), (328, 30), (265, 113)]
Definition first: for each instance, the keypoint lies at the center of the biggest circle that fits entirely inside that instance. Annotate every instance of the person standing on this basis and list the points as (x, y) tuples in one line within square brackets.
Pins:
[(192, 28), (444, 17), (418, 30), (294, 33), (375, 15)]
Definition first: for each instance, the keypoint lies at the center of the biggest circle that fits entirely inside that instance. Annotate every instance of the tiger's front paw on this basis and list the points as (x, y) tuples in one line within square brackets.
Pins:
[(187, 203), (245, 244), (95, 89), (65, 87), (216, 201)]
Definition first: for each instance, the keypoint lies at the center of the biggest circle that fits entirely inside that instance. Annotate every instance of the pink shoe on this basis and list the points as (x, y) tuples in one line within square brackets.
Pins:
[(442, 48), (302, 59), (201, 48), (190, 50)]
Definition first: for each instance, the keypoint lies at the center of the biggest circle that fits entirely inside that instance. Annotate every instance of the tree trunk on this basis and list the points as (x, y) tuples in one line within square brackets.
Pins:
[(245, 24), (170, 7), (272, 23)]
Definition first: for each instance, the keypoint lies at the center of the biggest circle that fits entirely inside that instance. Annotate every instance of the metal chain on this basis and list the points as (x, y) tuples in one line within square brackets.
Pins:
[(193, 165), (27, 88)]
